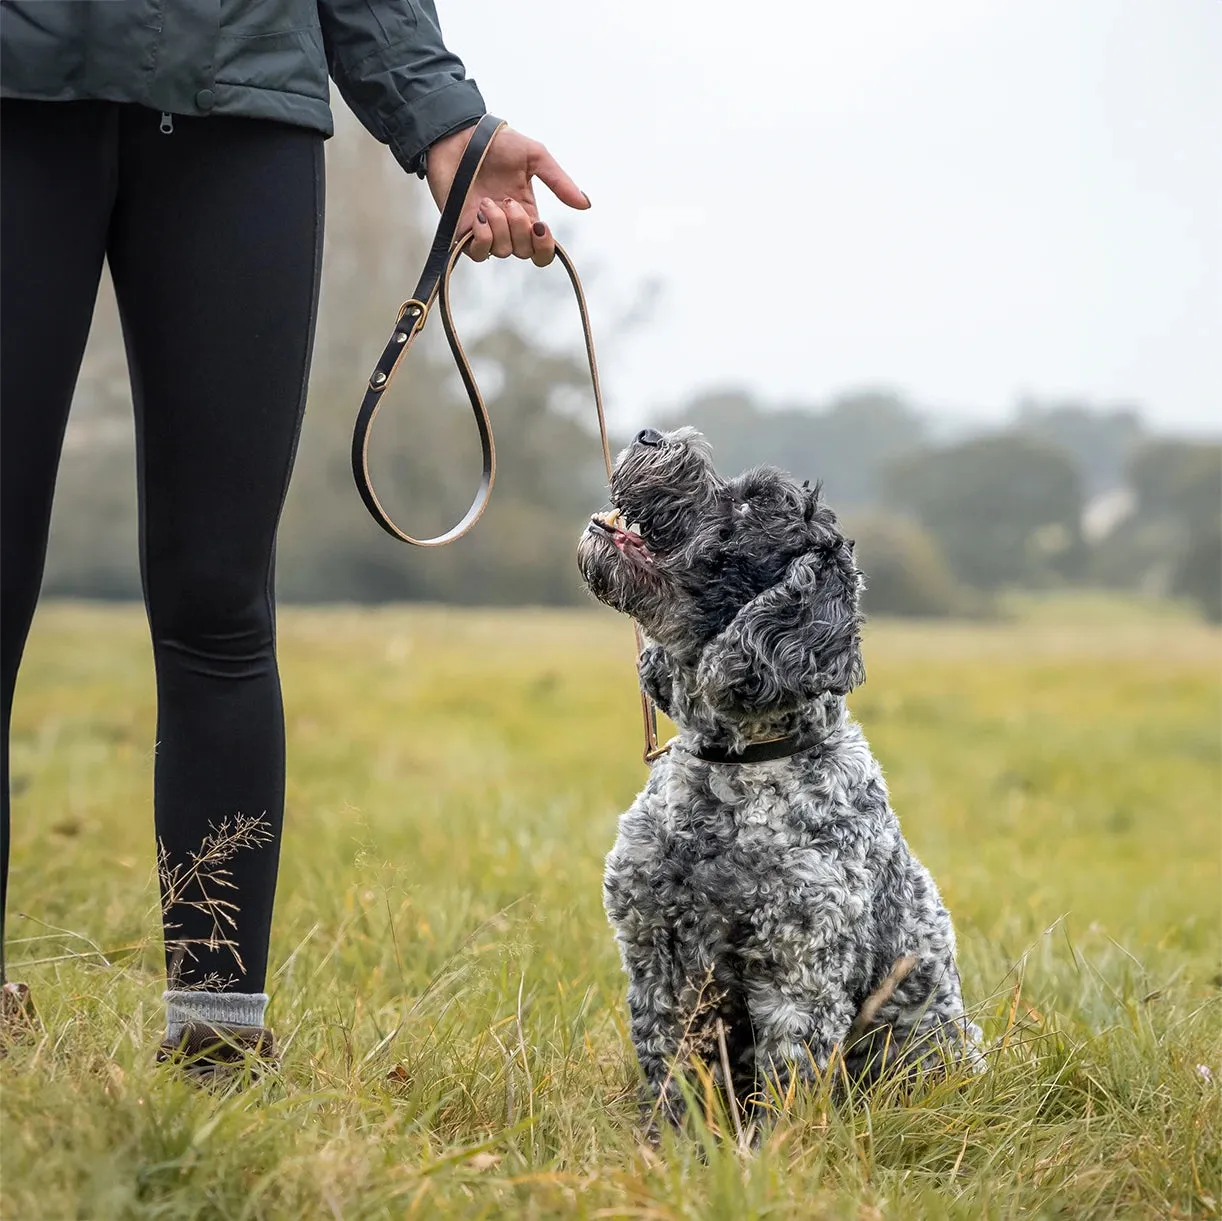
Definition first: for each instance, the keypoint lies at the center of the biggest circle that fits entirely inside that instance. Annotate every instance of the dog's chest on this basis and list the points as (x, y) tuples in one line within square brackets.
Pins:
[(734, 845)]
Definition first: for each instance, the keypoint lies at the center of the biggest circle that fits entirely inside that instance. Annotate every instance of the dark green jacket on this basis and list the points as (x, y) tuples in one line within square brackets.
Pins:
[(266, 59)]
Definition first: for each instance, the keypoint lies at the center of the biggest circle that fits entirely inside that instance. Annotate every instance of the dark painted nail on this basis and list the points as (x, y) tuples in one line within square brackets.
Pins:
[(479, 216), (587, 199), (539, 228)]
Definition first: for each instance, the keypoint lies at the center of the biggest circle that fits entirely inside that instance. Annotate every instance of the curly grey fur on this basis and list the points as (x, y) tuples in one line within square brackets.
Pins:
[(776, 897)]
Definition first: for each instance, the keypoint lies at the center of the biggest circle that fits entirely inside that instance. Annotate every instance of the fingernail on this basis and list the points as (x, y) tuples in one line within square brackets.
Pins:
[(587, 199), (508, 203), (479, 216), (539, 228)]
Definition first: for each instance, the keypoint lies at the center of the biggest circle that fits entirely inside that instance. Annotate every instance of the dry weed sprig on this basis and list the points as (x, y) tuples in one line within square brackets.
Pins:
[(728, 1077), (691, 1042), (193, 885)]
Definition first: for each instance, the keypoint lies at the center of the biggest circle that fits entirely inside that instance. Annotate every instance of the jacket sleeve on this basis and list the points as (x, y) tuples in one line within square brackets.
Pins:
[(389, 62)]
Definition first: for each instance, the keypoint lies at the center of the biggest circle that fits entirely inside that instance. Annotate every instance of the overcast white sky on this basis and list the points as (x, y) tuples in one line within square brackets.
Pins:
[(964, 200)]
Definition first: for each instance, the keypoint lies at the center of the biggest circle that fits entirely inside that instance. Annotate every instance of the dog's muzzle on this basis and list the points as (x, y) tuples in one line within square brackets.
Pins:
[(627, 540)]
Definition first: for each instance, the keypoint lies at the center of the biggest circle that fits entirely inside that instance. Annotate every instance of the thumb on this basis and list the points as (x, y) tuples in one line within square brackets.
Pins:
[(548, 171)]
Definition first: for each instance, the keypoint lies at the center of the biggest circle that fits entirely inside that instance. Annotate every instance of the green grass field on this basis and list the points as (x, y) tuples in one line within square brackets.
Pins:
[(447, 990)]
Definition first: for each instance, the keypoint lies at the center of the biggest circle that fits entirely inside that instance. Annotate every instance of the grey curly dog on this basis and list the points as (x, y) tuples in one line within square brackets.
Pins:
[(760, 886)]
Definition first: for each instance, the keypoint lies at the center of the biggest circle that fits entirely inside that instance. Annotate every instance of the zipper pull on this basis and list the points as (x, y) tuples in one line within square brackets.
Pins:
[(167, 123)]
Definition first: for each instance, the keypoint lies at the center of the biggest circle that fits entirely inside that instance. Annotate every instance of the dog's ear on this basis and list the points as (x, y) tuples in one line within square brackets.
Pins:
[(793, 642)]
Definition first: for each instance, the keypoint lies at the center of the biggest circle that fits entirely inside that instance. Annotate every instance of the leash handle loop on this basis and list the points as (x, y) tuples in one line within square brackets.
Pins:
[(434, 280), (434, 285)]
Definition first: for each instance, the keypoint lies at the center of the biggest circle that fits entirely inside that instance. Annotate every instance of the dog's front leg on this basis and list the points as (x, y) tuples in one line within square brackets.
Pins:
[(798, 1017), (673, 1000), (658, 1037)]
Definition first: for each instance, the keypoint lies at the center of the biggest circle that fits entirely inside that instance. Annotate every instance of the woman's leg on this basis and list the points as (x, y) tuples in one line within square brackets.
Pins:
[(215, 251), (57, 184)]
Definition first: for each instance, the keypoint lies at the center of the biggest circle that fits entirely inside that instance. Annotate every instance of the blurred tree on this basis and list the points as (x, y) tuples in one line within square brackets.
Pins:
[(1198, 575), (1101, 441), (906, 572), (1179, 481), (424, 452), (847, 446), (1005, 509), (1174, 539)]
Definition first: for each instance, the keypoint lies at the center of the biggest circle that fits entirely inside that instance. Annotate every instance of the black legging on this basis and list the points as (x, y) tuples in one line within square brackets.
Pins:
[(213, 233)]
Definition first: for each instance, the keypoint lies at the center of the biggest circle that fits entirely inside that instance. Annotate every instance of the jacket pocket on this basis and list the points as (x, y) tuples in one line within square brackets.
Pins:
[(292, 61), (240, 19)]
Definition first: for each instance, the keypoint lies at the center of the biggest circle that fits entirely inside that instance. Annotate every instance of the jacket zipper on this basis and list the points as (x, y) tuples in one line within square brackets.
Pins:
[(167, 123)]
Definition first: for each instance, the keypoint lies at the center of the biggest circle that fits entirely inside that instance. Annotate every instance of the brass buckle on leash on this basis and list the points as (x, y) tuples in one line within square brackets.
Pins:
[(420, 311), (434, 284)]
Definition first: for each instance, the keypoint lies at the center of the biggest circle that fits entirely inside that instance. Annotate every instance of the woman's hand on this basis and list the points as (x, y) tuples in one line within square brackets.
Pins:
[(500, 209)]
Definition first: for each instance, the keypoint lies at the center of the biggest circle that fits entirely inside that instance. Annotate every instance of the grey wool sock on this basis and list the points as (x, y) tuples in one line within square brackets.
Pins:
[(214, 1008)]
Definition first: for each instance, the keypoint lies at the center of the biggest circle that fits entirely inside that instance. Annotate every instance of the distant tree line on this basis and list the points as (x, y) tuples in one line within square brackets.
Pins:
[(1065, 494)]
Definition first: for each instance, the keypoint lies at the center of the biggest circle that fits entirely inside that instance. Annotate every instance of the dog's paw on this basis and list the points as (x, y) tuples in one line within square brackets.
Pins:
[(657, 677)]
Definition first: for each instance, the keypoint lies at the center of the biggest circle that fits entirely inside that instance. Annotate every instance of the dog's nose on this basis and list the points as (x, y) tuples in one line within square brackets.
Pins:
[(649, 436)]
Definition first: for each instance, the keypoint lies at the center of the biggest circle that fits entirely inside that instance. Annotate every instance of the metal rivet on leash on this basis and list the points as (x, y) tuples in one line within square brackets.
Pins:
[(434, 284)]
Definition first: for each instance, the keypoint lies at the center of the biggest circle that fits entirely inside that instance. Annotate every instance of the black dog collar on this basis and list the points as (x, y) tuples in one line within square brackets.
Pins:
[(757, 752)]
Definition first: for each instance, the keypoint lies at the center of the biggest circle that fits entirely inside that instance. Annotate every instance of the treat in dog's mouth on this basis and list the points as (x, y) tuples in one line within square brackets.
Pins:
[(627, 539)]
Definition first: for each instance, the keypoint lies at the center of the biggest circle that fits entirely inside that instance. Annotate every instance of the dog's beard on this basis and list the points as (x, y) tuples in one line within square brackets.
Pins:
[(618, 571)]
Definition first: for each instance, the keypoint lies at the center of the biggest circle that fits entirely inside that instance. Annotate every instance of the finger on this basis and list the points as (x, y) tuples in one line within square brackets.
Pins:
[(547, 169), (502, 242), (519, 229), (544, 244), (480, 245)]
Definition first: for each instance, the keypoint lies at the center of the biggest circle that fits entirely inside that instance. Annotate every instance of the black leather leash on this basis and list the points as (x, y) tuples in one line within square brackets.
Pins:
[(434, 279), (434, 285)]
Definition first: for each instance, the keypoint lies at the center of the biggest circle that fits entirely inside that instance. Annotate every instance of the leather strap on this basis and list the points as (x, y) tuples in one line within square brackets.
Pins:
[(434, 278), (757, 752), (434, 284)]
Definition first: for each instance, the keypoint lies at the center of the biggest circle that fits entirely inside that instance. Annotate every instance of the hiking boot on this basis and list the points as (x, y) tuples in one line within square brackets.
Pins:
[(18, 1017), (218, 1055)]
